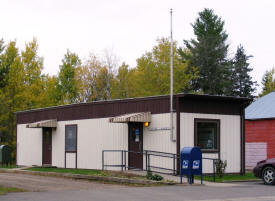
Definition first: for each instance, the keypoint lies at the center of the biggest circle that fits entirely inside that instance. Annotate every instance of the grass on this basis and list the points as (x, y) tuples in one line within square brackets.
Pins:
[(5, 190), (98, 173), (229, 177), (8, 166), (88, 172)]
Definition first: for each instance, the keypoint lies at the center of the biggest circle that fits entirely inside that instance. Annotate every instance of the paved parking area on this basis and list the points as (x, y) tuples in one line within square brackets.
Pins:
[(36, 183), (59, 189)]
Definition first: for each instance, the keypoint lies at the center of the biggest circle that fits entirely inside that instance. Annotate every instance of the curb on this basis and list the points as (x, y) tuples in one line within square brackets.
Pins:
[(88, 177), (242, 181)]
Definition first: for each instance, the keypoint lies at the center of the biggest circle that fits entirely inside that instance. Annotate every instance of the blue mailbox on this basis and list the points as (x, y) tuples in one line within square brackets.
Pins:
[(190, 163)]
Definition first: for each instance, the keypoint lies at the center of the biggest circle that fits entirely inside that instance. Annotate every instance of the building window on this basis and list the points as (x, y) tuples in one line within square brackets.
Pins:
[(70, 138), (207, 134)]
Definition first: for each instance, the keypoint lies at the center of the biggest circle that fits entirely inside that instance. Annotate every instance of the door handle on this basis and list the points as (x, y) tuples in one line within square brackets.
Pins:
[(139, 145)]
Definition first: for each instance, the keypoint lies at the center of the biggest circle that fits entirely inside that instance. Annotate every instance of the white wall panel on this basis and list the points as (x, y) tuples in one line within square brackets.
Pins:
[(93, 136), (155, 139), (207, 165), (70, 160), (58, 146), (29, 145), (229, 137)]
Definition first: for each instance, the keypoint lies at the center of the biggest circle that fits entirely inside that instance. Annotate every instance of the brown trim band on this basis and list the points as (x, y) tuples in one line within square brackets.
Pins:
[(95, 110), (189, 103)]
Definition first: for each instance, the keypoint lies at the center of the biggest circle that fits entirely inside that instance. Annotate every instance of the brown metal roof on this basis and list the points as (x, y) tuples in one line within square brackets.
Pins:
[(191, 103), (137, 99)]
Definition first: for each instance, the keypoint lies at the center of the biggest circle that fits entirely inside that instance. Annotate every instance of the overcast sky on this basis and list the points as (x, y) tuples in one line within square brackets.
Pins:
[(130, 28)]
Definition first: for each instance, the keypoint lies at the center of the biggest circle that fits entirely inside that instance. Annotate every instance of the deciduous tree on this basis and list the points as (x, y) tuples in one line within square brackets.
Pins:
[(268, 82), (33, 79), (67, 83), (153, 71), (124, 84), (12, 94), (86, 79)]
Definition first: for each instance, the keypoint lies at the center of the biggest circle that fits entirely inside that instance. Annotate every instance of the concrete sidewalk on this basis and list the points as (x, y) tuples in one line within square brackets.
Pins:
[(119, 180), (184, 179), (169, 178)]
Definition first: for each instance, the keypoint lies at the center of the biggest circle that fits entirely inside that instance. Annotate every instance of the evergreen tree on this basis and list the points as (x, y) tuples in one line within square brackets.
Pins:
[(208, 52), (242, 84)]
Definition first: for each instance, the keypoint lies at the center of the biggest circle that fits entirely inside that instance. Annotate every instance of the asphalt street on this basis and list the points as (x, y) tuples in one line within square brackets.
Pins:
[(59, 189)]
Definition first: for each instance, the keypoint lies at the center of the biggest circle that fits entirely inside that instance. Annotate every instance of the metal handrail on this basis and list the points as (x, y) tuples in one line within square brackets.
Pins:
[(147, 154), (148, 165)]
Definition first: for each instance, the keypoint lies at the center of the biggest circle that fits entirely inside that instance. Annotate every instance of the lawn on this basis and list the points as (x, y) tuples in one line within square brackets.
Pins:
[(87, 172), (5, 190), (8, 166), (229, 177)]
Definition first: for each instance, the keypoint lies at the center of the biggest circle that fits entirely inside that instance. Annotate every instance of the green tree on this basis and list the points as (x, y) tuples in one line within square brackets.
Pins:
[(102, 87), (153, 71), (123, 85), (67, 83), (86, 79), (268, 82), (51, 91), (3, 68), (208, 52), (12, 94), (33, 66), (242, 84)]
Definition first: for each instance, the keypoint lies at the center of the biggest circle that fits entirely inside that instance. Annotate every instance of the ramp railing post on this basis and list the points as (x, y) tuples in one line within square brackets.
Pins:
[(122, 160), (103, 160), (146, 160), (174, 165)]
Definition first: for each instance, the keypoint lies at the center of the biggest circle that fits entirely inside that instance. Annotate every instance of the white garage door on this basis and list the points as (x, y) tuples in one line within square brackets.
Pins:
[(254, 152)]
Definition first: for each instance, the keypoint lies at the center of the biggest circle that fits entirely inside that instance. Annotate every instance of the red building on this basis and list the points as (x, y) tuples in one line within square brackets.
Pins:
[(260, 130)]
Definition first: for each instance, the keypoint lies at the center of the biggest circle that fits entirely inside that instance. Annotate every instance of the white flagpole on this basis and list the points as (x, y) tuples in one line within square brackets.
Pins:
[(171, 79)]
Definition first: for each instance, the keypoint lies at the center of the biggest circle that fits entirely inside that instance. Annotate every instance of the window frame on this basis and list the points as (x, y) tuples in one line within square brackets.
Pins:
[(204, 120), (71, 125)]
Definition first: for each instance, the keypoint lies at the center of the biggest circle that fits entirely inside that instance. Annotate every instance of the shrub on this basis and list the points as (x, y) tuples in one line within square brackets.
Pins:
[(220, 166), (152, 176)]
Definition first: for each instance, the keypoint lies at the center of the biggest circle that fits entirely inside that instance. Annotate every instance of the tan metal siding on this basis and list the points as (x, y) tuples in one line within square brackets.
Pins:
[(29, 145), (94, 135), (159, 140), (70, 160), (58, 145), (229, 138)]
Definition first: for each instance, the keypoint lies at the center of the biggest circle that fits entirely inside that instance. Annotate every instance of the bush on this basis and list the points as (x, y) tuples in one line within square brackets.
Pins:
[(152, 176), (220, 166)]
